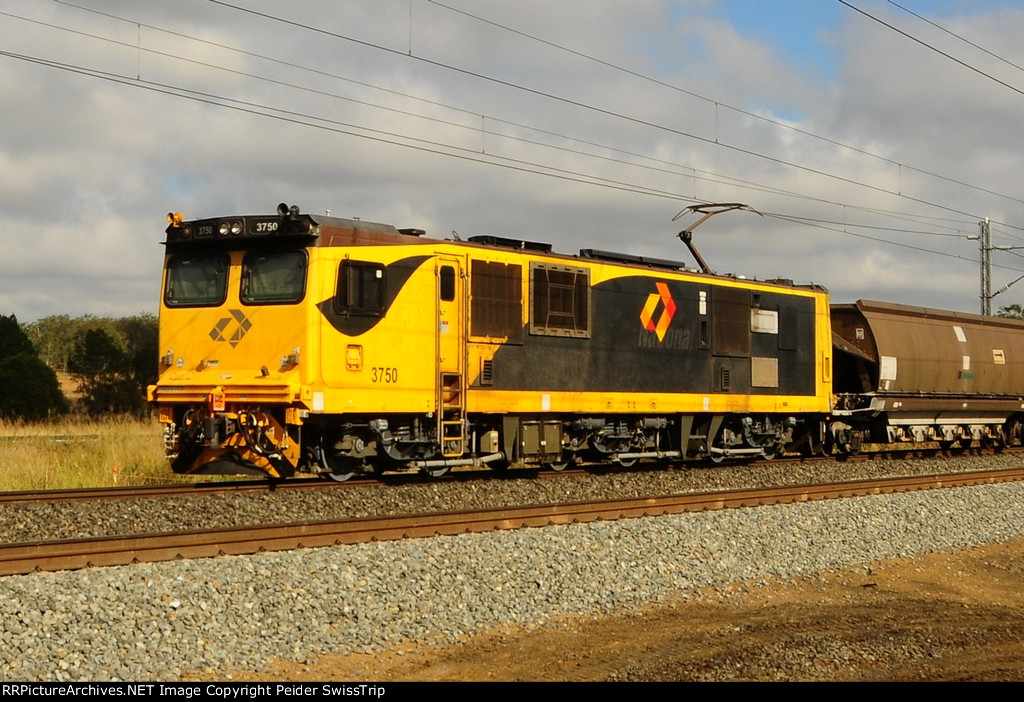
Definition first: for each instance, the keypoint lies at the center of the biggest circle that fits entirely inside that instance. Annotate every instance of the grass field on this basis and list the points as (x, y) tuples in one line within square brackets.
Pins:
[(81, 453)]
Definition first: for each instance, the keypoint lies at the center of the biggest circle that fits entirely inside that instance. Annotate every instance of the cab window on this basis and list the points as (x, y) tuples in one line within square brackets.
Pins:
[(360, 289), (273, 278), (196, 281)]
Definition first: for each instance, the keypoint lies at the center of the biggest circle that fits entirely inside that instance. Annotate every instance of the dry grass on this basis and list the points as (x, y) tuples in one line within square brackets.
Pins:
[(81, 453)]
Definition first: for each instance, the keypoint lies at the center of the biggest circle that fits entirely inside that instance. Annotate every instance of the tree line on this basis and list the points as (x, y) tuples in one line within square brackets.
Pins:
[(111, 361)]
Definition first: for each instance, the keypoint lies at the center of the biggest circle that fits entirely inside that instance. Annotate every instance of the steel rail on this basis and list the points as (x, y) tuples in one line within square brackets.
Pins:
[(312, 483), (119, 550), (145, 491)]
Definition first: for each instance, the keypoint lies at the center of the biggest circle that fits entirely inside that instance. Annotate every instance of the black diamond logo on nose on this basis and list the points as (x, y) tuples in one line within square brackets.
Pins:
[(220, 331)]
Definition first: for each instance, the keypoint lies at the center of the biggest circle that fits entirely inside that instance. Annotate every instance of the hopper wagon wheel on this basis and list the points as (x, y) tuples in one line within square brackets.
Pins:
[(1011, 434), (557, 466), (847, 441)]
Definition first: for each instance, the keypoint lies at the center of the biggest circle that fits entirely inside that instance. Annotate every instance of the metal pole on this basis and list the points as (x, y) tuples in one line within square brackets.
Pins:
[(986, 268)]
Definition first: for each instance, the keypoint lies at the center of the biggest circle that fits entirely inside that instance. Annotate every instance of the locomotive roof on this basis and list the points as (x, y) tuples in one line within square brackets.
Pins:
[(325, 230)]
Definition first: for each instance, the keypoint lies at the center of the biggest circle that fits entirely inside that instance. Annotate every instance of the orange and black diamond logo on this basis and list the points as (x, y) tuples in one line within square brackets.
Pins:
[(231, 329), (668, 310)]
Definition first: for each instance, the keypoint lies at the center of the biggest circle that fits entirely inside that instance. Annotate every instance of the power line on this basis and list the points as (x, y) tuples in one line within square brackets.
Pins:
[(696, 174), (592, 108), (804, 222), (717, 103), (395, 139), (424, 145), (932, 48), (954, 34)]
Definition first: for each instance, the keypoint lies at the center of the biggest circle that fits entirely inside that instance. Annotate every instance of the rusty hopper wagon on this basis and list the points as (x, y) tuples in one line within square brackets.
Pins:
[(913, 374)]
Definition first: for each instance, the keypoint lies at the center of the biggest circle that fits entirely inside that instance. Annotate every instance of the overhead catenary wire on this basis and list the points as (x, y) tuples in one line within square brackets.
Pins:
[(593, 108), (720, 104), (712, 101), (697, 174), (491, 159), (930, 47), (284, 115), (951, 33)]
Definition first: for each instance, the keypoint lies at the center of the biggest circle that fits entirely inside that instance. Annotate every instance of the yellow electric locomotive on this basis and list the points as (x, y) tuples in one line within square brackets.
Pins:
[(294, 342)]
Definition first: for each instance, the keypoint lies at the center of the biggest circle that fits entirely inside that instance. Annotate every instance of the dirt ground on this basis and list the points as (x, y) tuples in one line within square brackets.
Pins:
[(952, 616)]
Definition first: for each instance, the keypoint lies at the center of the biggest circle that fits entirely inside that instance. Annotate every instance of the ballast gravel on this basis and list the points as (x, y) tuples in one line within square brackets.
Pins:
[(161, 621), (66, 520)]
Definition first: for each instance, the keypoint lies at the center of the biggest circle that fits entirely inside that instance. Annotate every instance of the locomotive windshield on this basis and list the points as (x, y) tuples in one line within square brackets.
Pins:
[(273, 278), (195, 281)]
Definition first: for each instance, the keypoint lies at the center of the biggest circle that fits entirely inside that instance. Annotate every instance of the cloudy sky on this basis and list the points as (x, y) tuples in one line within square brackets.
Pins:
[(873, 136)]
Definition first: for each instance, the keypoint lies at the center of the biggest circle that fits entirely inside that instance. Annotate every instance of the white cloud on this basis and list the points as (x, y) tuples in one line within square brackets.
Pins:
[(88, 168)]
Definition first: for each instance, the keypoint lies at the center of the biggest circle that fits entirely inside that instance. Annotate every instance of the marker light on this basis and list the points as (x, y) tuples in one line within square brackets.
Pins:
[(174, 218)]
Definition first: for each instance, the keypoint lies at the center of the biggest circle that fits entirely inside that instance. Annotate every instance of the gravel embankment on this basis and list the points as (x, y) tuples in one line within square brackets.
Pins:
[(156, 621)]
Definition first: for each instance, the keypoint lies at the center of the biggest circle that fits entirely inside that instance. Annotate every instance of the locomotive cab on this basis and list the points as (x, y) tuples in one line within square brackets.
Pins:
[(231, 366)]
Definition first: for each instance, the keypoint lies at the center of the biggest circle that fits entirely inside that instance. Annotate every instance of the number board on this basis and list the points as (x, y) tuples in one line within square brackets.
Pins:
[(263, 226)]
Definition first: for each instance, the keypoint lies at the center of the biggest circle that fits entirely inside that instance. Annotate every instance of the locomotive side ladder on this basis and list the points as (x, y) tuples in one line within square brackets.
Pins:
[(451, 415), (451, 381)]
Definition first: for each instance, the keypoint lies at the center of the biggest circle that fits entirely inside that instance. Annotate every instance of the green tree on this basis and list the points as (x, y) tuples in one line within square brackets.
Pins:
[(105, 375), (12, 339), (28, 387), (1013, 311), (141, 336), (53, 337)]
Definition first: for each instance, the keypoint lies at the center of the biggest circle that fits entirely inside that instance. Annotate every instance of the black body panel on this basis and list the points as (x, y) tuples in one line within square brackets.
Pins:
[(713, 352)]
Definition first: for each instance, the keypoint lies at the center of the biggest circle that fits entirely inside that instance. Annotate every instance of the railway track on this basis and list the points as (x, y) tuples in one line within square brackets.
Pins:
[(220, 488), (119, 550), (143, 491), (312, 483)]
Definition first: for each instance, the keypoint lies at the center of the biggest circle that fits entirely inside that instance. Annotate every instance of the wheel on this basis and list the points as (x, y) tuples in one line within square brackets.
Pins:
[(848, 442), (1011, 433), (339, 469), (435, 471), (336, 477), (557, 467), (770, 452)]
